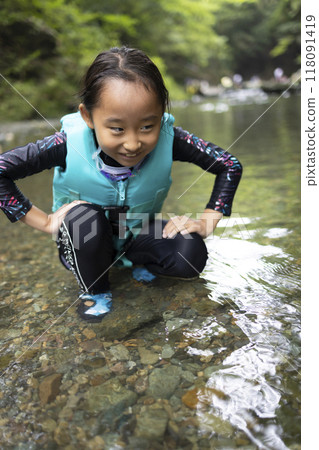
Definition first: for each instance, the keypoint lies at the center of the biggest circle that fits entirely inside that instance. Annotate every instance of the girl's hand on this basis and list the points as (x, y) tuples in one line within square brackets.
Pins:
[(184, 225), (51, 223), (55, 219)]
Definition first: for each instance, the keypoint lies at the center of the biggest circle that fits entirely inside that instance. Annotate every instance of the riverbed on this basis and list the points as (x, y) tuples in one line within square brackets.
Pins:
[(208, 364)]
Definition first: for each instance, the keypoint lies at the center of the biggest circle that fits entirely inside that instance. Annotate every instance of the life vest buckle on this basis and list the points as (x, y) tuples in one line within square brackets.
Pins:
[(114, 217)]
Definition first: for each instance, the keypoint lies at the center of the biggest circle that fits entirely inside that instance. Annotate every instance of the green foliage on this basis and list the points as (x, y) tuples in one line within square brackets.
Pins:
[(46, 45), (285, 24)]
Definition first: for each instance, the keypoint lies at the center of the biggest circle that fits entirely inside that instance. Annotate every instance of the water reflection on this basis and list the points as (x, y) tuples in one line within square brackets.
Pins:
[(247, 273)]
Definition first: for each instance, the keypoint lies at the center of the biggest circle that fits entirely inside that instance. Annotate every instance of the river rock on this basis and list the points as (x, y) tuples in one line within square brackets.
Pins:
[(176, 324), (163, 382), (119, 352), (151, 422), (131, 312), (141, 384), (110, 397), (201, 396), (167, 351), (91, 346), (147, 356), (61, 434), (49, 388), (97, 443), (211, 423), (49, 425)]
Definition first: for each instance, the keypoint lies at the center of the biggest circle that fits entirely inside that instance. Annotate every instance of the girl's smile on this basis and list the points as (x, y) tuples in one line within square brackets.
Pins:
[(126, 120)]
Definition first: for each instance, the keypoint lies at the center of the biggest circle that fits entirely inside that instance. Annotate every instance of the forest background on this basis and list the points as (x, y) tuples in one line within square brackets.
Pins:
[(46, 45)]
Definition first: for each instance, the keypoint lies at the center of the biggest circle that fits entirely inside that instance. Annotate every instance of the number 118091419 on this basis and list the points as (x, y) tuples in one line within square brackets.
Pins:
[(310, 48)]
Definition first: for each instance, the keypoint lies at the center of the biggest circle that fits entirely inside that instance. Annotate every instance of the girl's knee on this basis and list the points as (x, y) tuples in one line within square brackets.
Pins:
[(87, 225), (191, 256)]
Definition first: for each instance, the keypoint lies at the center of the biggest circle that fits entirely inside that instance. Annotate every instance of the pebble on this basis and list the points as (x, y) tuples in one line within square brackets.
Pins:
[(88, 333), (163, 382), (141, 385), (151, 422), (176, 324), (147, 356), (97, 443), (110, 397), (62, 434), (201, 396), (49, 388), (119, 352), (167, 351), (91, 345)]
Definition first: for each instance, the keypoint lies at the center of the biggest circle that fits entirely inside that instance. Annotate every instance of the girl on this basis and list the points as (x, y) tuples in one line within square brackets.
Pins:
[(112, 164)]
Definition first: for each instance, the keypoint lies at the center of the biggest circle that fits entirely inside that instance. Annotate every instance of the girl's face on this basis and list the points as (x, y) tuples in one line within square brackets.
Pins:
[(127, 121)]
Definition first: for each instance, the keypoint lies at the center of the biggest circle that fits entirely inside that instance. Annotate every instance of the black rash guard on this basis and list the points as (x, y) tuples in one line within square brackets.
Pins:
[(51, 152)]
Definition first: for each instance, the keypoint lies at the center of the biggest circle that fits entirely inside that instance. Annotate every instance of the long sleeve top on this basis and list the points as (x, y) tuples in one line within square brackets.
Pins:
[(52, 150)]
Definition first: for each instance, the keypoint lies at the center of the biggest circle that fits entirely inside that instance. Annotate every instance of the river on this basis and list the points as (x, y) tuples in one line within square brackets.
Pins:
[(213, 363)]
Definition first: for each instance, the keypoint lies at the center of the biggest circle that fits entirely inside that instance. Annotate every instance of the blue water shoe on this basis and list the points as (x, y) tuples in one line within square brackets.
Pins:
[(94, 307), (142, 274)]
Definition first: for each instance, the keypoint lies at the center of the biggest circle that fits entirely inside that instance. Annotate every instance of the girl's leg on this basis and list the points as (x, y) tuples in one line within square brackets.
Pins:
[(85, 247), (182, 257)]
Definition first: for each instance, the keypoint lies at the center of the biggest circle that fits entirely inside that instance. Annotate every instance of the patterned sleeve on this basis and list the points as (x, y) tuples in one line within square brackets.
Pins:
[(213, 159), (22, 162)]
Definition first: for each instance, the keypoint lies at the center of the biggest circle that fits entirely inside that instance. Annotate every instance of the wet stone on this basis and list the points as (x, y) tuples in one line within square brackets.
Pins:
[(118, 368), (126, 318), (94, 363), (110, 397), (62, 434), (151, 422), (49, 388), (163, 382), (188, 376), (141, 385), (97, 443), (147, 356), (49, 425), (91, 345), (167, 351), (5, 360), (176, 324), (119, 352)]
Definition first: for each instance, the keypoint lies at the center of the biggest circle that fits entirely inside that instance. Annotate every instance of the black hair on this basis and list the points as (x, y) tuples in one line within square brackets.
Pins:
[(124, 63)]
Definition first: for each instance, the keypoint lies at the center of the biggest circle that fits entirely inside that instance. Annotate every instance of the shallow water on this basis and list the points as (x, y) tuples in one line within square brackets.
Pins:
[(212, 363)]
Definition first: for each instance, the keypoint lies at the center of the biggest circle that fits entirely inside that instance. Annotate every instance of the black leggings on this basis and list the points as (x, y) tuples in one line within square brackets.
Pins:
[(85, 248)]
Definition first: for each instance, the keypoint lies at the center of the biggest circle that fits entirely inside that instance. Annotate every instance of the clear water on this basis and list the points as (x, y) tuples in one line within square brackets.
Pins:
[(225, 348)]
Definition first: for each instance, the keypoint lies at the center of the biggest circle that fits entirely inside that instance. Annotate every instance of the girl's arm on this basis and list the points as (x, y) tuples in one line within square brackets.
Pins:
[(213, 159), (48, 223), (22, 162)]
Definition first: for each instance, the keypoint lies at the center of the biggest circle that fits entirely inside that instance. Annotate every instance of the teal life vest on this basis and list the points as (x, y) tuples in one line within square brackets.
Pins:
[(143, 192)]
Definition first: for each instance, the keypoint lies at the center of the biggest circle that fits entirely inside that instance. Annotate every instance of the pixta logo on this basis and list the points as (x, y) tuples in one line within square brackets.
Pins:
[(82, 225)]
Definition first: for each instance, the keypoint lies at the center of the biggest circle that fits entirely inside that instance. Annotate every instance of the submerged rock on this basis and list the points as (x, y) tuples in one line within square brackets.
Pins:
[(147, 356), (119, 352), (151, 422), (163, 382), (61, 434), (176, 324), (201, 396), (111, 397), (49, 388), (119, 325), (167, 352)]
